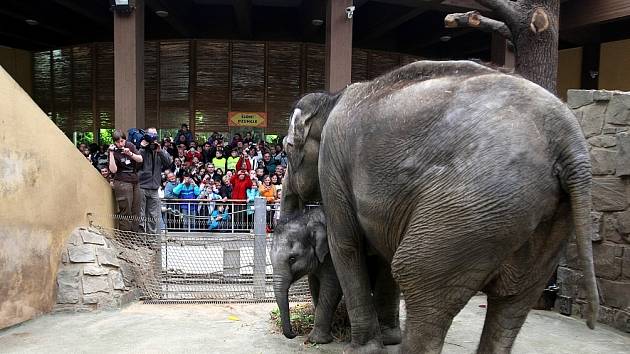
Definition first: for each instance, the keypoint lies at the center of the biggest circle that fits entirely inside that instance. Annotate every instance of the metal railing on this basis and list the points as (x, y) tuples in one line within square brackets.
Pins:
[(198, 215)]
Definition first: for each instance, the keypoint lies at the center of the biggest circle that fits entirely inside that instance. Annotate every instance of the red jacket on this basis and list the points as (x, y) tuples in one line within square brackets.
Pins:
[(243, 165), (239, 187), (191, 154)]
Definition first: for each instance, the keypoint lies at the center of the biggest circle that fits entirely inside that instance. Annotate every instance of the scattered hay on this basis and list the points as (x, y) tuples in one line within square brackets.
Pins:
[(303, 317)]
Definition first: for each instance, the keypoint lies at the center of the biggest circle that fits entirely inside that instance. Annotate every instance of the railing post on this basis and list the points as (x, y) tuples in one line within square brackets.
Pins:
[(260, 247), (234, 216), (187, 217)]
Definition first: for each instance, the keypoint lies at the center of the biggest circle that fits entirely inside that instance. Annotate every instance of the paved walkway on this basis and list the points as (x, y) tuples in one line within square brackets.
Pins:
[(245, 328)]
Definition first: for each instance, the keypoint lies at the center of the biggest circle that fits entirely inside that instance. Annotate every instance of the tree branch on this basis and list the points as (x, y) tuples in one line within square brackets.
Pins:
[(504, 8), (476, 20)]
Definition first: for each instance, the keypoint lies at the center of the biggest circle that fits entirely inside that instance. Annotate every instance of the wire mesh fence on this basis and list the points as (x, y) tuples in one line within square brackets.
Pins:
[(188, 260)]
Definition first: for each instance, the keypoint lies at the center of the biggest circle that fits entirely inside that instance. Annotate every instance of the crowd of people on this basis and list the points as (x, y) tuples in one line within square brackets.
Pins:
[(182, 168)]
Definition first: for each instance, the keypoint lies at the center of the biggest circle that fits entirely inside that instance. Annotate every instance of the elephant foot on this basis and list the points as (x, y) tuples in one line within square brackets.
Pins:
[(391, 336), (371, 347), (319, 337)]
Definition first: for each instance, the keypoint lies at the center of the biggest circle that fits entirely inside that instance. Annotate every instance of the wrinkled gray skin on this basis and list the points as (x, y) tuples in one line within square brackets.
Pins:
[(464, 179), (300, 248), (300, 187)]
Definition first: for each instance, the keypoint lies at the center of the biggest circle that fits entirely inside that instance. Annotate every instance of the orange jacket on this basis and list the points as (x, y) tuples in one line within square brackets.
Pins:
[(268, 192)]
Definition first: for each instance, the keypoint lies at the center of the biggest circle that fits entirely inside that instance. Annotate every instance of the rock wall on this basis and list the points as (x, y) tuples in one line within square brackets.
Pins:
[(605, 120), (92, 275)]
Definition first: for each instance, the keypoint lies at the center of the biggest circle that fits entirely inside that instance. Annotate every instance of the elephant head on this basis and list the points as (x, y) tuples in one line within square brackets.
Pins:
[(302, 147), (299, 247)]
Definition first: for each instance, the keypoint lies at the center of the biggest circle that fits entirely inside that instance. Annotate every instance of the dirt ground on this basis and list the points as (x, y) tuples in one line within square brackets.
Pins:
[(246, 328)]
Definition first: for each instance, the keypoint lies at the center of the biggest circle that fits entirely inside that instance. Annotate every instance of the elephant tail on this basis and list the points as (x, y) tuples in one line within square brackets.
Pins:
[(576, 179)]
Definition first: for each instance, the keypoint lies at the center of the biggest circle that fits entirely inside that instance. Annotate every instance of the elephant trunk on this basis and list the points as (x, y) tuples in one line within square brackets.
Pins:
[(281, 291)]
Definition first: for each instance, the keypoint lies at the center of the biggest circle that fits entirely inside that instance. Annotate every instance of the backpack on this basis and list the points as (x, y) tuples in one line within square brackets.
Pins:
[(134, 136)]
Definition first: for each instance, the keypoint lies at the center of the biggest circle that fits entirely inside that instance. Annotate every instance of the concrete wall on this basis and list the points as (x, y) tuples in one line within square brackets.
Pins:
[(46, 189), (614, 66), (18, 64), (605, 120)]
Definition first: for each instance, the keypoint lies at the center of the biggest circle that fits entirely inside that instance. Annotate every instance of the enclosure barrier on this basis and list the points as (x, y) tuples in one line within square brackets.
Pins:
[(200, 257)]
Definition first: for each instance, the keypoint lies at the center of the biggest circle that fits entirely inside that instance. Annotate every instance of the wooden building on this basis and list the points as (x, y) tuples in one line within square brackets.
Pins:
[(208, 62)]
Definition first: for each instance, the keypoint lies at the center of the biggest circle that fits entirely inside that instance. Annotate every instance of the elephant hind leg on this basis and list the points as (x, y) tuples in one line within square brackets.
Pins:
[(520, 282), (436, 280), (386, 295)]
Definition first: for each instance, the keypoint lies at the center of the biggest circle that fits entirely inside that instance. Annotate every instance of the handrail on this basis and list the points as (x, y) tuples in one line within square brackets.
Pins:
[(244, 201)]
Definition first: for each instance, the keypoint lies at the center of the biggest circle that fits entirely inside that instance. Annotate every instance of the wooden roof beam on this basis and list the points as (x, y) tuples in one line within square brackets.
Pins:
[(28, 40), (579, 13), (243, 14), (175, 14), (309, 11), (41, 25), (85, 11), (385, 27), (437, 38)]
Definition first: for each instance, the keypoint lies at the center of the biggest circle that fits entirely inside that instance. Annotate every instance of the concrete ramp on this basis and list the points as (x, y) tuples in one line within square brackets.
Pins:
[(46, 190)]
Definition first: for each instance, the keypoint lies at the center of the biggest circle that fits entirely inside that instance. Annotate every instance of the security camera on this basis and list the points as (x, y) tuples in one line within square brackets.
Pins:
[(350, 11)]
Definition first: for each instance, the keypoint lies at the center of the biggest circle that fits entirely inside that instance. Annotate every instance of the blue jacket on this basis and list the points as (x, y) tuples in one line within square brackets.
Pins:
[(252, 193), (213, 223), (168, 190), (184, 191)]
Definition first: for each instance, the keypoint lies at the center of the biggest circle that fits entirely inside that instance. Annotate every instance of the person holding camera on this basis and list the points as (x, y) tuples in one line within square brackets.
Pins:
[(123, 163), (154, 160)]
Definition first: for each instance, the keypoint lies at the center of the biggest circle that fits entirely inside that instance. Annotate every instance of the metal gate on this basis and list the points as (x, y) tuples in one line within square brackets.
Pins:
[(197, 259)]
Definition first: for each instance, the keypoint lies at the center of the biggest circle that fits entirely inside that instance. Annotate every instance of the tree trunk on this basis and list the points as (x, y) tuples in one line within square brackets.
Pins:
[(536, 53), (533, 28)]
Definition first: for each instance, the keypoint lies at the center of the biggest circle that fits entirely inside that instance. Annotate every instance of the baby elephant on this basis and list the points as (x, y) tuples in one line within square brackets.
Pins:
[(300, 247)]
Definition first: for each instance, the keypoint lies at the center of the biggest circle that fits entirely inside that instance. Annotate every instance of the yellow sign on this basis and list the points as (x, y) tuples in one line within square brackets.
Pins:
[(247, 119)]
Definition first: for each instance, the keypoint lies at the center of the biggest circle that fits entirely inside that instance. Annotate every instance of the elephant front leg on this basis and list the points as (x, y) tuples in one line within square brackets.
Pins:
[(349, 259), (329, 295)]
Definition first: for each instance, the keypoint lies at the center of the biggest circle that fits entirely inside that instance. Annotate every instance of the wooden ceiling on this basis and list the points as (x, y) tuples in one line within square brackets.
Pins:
[(407, 26)]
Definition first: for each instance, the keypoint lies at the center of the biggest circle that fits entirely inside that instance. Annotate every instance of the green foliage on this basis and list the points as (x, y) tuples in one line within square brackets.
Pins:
[(303, 318), (105, 137)]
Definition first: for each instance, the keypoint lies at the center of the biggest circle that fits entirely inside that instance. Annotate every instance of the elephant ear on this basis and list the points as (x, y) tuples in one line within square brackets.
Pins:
[(319, 239), (313, 105), (299, 127)]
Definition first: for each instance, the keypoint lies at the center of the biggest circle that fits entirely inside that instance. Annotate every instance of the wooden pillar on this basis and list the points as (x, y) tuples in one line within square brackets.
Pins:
[(129, 68), (590, 66), (338, 45), (500, 54)]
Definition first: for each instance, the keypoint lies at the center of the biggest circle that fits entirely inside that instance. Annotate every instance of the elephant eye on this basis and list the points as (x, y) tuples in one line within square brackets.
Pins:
[(291, 260)]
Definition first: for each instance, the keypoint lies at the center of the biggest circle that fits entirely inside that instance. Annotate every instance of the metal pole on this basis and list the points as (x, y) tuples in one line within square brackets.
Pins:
[(234, 215), (260, 247)]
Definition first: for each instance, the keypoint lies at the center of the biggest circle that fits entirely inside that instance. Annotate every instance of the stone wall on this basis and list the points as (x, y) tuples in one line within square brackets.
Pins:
[(605, 120), (92, 275)]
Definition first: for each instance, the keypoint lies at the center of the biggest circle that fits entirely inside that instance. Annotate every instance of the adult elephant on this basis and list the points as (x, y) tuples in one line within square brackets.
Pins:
[(295, 247), (463, 178)]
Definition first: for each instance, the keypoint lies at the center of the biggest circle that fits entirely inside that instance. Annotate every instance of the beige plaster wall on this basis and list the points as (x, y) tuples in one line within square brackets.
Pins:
[(614, 66), (569, 70), (46, 189), (18, 64)]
